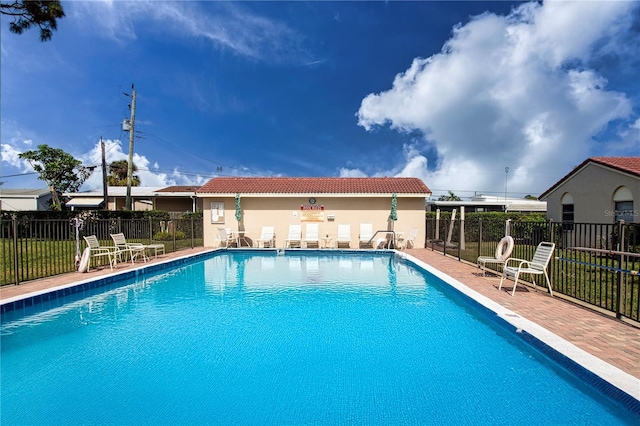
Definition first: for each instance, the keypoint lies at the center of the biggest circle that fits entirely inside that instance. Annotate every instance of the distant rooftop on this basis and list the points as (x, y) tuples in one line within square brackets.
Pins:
[(179, 189), (16, 192)]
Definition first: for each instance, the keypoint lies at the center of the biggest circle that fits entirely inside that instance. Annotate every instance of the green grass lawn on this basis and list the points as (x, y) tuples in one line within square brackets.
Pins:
[(45, 258)]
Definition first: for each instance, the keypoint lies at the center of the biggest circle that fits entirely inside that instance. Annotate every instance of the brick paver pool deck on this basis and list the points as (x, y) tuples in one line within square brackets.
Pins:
[(611, 340)]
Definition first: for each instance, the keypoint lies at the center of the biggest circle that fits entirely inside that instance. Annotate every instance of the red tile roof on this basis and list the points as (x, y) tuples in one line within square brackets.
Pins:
[(179, 189), (624, 164), (302, 185), (629, 165)]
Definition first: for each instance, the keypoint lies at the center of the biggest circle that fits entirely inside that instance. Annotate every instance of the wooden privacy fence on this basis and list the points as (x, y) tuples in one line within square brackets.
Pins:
[(595, 264), (38, 248)]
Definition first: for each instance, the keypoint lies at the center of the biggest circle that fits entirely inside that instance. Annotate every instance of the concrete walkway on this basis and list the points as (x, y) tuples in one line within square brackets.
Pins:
[(613, 341)]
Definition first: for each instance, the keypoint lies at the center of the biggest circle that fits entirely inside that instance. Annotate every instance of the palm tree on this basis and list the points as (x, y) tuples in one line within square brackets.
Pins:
[(118, 171), (450, 197)]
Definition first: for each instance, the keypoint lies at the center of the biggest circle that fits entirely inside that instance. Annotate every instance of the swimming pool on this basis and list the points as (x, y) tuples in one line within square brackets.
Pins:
[(306, 337)]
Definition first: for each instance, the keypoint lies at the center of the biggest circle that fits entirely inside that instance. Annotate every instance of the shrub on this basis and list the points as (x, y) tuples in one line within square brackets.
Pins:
[(167, 236)]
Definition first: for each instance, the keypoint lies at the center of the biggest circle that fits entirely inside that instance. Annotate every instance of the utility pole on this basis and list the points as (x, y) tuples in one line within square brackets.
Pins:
[(104, 177), (131, 133)]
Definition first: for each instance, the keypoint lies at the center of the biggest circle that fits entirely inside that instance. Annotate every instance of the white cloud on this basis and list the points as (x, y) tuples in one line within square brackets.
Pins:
[(226, 25), (10, 156), (17, 145), (514, 91), (344, 172)]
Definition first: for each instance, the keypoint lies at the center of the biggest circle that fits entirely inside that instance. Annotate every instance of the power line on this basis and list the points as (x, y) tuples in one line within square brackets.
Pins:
[(203, 158), (19, 174)]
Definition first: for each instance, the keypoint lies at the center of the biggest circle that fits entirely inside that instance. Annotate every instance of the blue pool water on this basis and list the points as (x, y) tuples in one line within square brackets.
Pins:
[(304, 338)]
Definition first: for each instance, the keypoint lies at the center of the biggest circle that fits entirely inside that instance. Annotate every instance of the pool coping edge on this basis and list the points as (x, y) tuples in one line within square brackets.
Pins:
[(614, 376)]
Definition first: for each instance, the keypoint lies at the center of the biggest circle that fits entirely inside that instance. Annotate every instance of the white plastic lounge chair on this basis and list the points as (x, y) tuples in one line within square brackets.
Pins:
[(344, 235), (536, 266), (366, 234), (226, 238), (503, 251), (134, 250), (311, 235), (409, 240), (294, 239), (267, 237), (96, 250)]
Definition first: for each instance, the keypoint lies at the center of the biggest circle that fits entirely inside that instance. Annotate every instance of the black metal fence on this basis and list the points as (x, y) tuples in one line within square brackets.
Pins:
[(38, 248), (596, 264)]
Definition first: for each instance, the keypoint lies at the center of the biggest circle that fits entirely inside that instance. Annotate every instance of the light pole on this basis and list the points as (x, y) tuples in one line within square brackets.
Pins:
[(506, 175)]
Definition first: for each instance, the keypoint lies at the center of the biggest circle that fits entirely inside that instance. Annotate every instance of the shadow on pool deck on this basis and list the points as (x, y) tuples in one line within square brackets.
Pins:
[(613, 341)]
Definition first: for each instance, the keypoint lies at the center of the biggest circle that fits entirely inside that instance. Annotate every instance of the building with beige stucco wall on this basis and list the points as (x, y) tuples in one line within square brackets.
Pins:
[(601, 190), (280, 202)]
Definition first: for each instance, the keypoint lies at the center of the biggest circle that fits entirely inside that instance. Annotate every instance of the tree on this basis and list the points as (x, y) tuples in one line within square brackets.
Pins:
[(450, 197), (58, 169), (28, 13), (118, 171)]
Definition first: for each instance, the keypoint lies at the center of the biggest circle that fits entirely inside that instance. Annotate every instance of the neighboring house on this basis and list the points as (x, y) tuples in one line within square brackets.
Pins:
[(172, 199), (484, 203), (177, 199), (280, 202), (601, 190), (24, 199)]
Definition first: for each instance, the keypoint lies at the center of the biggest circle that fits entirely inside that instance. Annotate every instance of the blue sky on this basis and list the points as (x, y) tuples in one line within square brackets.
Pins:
[(451, 92)]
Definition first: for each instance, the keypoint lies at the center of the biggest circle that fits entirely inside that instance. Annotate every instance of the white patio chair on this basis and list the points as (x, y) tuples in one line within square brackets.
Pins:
[(226, 238), (536, 266), (366, 234), (409, 239), (311, 235), (344, 235), (96, 250), (267, 237), (134, 250), (503, 251), (294, 239)]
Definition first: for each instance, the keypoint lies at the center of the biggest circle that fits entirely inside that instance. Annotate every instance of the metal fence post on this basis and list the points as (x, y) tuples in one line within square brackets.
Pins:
[(479, 237), (14, 221), (192, 231), (620, 280)]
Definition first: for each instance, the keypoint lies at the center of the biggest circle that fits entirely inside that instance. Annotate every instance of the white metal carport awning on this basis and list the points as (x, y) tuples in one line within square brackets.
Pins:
[(85, 202)]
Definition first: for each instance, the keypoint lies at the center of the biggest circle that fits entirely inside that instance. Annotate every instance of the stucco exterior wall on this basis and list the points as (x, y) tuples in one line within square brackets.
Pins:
[(592, 189), (118, 203), (25, 204), (280, 212), (174, 204)]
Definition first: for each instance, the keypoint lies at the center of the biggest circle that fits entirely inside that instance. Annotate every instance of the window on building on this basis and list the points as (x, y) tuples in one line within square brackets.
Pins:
[(567, 212), (623, 204), (567, 217), (624, 211)]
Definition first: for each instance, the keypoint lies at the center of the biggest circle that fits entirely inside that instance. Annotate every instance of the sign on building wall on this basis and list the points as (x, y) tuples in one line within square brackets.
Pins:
[(311, 213), (217, 212)]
